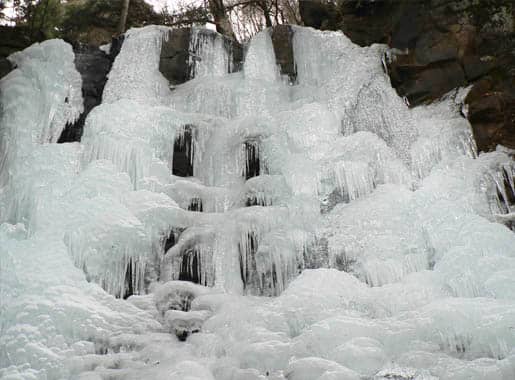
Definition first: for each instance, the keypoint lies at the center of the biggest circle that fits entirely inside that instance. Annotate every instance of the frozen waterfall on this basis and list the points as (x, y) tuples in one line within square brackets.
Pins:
[(242, 225)]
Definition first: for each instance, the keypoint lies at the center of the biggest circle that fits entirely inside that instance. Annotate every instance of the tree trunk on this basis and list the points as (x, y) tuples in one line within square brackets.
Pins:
[(123, 16), (277, 11), (268, 18), (30, 14), (222, 22), (266, 13), (43, 20)]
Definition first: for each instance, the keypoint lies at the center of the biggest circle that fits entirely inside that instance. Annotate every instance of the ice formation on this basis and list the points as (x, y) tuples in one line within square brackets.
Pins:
[(257, 229)]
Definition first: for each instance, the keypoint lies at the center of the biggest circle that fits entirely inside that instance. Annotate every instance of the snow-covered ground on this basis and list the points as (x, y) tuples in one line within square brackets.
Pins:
[(370, 245)]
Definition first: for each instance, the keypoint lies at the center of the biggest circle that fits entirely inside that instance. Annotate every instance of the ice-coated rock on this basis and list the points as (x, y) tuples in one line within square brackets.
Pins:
[(183, 323), (316, 368)]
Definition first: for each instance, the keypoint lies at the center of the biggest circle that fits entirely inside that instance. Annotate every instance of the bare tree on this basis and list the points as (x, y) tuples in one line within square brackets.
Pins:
[(221, 18), (123, 16), (234, 18), (251, 16), (186, 14)]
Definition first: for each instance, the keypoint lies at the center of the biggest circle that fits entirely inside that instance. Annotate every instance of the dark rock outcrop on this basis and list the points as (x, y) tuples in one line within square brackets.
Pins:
[(93, 65), (182, 153), (5, 67), (364, 22), (174, 62), (491, 112), (12, 39), (196, 205), (422, 83), (177, 54), (439, 45), (283, 48)]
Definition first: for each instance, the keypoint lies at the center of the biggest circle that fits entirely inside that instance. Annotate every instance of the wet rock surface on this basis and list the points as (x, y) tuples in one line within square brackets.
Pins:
[(173, 300), (174, 62), (283, 48), (176, 57), (436, 46), (93, 65)]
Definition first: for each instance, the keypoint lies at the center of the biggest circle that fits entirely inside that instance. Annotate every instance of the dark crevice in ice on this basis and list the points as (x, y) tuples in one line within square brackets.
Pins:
[(252, 201), (94, 66), (248, 269), (253, 162), (129, 281), (191, 267), (195, 205), (182, 335), (331, 200), (183, 153), (172, 238)]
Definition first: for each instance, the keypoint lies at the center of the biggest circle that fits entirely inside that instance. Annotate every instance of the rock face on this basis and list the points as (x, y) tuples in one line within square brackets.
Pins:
[(491, 109), (439, 45), (93, 65), (364, 22), (174, 62), (283, 49)]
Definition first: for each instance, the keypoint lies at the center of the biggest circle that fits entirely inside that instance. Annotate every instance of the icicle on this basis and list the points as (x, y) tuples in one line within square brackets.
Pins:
[(192, 257), (208, 54), (184, 152), (253, 162), (354, 179), (38, 97), (499, 180), (135, 73)]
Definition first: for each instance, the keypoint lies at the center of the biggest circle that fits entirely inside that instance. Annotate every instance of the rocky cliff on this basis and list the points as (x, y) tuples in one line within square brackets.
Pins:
[(438, 45), (93, 65)]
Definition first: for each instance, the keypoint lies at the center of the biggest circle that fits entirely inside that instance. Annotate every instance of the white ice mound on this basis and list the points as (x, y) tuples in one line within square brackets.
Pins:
[(135, 74), (317, 368), (177, 295), (183, 323), (37, 101)]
